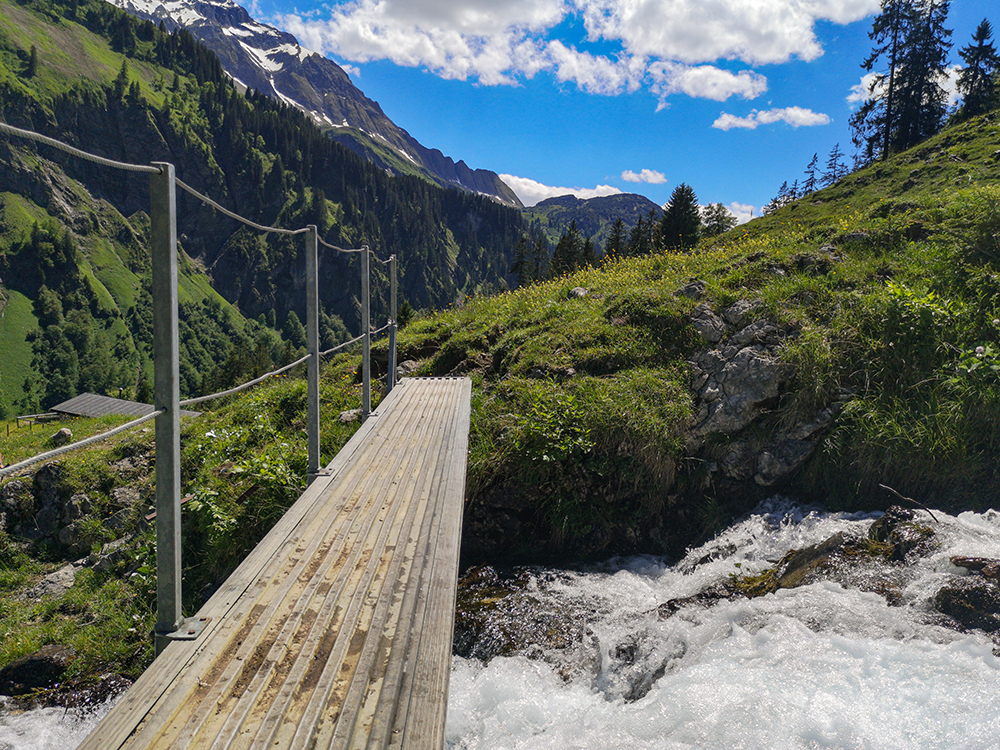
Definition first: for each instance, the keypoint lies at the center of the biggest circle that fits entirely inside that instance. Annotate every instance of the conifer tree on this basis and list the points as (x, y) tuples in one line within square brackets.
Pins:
[(568, 255), (809, 186), (922, 97), (875, 121), (835, 167), (616, 243), (642, 238), (716, 219), (519, 266), (977, 81), (906, 100), (681, 219), (31, 69), (538, 258)]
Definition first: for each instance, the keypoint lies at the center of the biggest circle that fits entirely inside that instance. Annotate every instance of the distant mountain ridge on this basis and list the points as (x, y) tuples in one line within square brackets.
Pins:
[(273, 62), (593, 216)]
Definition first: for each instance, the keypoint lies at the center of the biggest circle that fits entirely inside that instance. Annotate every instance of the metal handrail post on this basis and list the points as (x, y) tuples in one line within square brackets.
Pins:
[(366, 343), (312, 344), (390, 378), (166, 391)]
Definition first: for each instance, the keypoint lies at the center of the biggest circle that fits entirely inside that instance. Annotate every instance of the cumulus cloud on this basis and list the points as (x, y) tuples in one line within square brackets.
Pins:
[(742, 211), (794, 116), (704, 82), (663, 44), (862, 91), (649, 176), (531, 192)]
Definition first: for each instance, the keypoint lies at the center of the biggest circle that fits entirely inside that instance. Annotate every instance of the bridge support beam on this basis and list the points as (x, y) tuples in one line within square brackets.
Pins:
[(390, 378), (366, 332), (166, 391), (312, 343)]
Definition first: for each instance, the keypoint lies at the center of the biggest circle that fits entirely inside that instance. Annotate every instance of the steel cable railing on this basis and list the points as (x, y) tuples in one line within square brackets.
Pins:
[(163, 245), (39, 138), (28, 462), (209, 202)]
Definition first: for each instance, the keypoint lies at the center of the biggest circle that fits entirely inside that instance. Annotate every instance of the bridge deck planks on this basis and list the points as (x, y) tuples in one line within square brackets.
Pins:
[(335, 632)]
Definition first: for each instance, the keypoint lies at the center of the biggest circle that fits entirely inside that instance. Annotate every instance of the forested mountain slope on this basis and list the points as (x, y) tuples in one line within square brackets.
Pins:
[(110, 84)]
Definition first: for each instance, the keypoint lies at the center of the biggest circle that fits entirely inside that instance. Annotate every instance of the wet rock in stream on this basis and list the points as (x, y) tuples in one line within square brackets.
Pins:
[(500, 615)]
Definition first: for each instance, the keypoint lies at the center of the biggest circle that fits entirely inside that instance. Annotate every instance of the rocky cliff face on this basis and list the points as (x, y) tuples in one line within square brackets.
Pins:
[(266, 59)]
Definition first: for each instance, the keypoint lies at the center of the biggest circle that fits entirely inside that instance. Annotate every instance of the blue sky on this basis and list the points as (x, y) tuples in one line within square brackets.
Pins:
[(592, 97)]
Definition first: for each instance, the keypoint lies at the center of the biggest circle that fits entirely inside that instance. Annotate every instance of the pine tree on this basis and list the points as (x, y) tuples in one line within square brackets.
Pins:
[(538, 258), (922, 97), (809, 186), (875, 121), (977, 81), (716, 219), (616, 243), (568, 255), (835, 167), (31, 68), (642, 238), (906, 102), (681, 219)]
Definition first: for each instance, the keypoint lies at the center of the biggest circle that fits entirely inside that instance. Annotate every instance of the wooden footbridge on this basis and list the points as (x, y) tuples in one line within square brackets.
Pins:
[(335, 632)]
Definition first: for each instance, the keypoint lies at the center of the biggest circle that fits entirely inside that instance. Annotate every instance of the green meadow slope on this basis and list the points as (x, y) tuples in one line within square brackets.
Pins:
[(883, 301)]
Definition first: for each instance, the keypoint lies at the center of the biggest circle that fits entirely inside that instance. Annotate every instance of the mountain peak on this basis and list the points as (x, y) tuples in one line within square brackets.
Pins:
[(258, 56)]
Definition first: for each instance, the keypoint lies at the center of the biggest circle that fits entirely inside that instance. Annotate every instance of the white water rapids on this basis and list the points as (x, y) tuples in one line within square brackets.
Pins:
[(820, 666)]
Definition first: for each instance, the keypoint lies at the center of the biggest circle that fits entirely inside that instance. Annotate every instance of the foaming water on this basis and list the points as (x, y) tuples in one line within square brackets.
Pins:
[(821, 666), (48, 728)]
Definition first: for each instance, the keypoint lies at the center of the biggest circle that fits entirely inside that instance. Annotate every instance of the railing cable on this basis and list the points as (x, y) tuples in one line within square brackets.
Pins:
[(248, 384), (338, 347), (208, 201), (31, 136), (79, 444), (339, 249)]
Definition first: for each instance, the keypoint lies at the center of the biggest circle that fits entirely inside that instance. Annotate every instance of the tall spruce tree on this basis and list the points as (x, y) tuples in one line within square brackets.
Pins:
[(568, 255), (809, 186), (922, 98), (681, 219), (641, 240), (906, 98), (875, 121), (617, 242), (835, 167), (977, 81)]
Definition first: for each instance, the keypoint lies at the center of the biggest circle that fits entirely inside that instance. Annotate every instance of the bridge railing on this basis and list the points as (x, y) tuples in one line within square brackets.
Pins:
[(163, 184)]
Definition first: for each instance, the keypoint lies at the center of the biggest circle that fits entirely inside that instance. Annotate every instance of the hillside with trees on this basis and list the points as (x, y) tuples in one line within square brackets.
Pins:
[(110, 84)]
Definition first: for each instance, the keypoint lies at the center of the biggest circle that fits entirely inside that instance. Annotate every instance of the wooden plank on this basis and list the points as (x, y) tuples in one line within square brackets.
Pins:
[(324, 636)]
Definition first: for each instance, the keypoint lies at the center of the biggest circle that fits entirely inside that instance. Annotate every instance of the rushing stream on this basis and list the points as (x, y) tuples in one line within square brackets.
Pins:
[(820, 666)]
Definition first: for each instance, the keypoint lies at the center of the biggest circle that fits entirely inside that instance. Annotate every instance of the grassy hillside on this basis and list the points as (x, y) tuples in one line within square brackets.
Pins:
[(886, 285)]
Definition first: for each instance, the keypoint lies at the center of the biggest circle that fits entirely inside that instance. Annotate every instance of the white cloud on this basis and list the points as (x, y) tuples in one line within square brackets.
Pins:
[(531, 192), (662, 44), (649, 176), (950, 85), (742, 211), (794, 116), (862, 92), (351, 70), (704, 82)]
